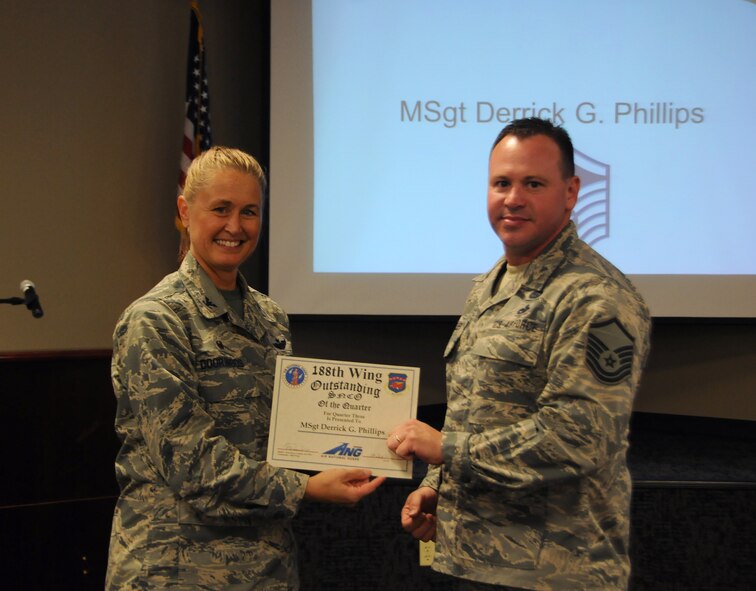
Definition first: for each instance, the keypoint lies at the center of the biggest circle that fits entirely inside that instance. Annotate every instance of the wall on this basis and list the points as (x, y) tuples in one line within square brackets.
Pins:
[(700, 368), (91, 123)]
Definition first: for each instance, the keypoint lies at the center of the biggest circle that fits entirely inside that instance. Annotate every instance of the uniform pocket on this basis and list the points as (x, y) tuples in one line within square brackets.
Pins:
[(218, 557), (506, 379), (502, 529), (160, 562), (516, 347), (241, 415)]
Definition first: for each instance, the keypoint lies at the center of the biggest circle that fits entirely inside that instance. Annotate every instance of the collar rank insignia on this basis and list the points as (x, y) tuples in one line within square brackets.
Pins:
[(609, 354)]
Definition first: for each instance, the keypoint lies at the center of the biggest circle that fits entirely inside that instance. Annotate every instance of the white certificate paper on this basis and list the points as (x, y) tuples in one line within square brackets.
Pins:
[(337, 414)]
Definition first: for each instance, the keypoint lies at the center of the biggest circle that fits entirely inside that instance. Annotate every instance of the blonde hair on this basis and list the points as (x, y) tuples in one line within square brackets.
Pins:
[(201, 172), (203, 168)]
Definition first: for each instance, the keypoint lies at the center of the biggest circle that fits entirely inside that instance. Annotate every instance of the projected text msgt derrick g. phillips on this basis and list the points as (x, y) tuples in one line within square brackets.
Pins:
[(451, 115)]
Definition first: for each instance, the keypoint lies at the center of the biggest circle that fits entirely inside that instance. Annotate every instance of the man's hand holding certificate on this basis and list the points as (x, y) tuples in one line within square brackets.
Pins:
[(330, 414)]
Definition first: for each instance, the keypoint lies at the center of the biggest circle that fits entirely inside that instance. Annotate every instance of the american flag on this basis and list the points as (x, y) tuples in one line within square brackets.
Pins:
[(197, 131)]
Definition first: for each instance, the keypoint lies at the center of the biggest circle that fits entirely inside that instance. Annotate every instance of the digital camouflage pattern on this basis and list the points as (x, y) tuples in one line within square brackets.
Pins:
[(199, 507), (534, 491)]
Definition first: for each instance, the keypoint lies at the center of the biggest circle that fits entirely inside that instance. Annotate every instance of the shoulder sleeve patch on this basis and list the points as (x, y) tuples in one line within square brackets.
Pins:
[(609, 354)]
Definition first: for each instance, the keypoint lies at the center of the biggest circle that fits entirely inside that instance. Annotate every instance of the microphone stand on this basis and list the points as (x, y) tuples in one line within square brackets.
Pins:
[(31, 299), (12, 301), (15, 301)]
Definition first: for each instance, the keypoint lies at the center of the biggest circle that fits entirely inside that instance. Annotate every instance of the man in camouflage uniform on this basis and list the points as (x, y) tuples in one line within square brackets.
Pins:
[(193, 363), (529, 487)]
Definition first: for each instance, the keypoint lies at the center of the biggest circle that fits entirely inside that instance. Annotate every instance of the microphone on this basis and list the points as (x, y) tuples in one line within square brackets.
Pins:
[(31, 299)]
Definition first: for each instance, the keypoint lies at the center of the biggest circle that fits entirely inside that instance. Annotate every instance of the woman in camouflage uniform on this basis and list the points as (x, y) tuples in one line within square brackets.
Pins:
[(192, 370)]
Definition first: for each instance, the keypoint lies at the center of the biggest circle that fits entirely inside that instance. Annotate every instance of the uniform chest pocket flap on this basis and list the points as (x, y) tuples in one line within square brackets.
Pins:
[(514, 346)]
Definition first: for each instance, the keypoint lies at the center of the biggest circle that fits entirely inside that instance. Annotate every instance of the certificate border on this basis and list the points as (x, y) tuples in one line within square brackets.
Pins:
[(318, 465)]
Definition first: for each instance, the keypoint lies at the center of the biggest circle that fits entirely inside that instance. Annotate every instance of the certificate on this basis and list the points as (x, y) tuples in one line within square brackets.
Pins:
[(336, 414)]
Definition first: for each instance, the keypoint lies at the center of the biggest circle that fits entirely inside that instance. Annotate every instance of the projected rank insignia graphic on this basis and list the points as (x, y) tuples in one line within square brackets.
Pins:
[(609, 354), (591, 214)]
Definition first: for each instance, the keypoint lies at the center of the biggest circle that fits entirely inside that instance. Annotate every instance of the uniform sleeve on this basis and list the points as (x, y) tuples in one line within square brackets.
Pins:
[(154, 369), (594, 352), (432, 478)]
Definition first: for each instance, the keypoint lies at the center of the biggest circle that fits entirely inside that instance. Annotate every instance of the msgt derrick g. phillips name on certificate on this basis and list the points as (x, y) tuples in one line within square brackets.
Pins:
[(336, 414)]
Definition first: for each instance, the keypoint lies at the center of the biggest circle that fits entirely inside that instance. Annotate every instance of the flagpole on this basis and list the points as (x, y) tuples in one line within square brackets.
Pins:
[(197, 132)]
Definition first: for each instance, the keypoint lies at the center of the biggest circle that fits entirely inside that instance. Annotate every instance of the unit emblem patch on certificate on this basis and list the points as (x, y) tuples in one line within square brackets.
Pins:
[(397, 382), (295, 375)]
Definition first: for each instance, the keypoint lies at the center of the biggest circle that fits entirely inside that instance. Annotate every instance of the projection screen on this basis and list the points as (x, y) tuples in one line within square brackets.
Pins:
[(383, 114)]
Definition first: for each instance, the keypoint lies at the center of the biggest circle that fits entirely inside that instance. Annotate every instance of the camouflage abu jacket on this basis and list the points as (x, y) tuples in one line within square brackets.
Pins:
[(534, 491), (199, 507)]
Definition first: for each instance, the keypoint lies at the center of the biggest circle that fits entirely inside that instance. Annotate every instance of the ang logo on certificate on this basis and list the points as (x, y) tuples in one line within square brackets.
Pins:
[(344, 450), (397, 382), (295, 375)]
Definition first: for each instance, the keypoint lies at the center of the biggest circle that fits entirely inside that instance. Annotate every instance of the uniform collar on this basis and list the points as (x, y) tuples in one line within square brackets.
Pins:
[(537, 273), (211, 304), (546, 263), (199, 286)]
